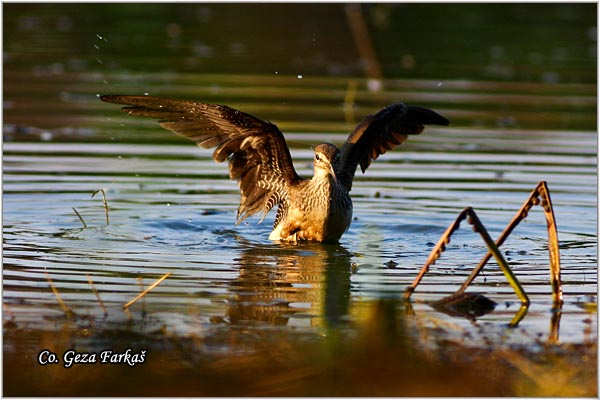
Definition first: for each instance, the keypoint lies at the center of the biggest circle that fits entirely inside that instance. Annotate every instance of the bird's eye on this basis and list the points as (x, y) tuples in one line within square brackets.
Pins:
[(317, 157)]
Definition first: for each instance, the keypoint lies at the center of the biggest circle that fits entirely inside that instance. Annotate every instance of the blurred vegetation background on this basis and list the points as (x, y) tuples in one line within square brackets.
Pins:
[(534, 42)]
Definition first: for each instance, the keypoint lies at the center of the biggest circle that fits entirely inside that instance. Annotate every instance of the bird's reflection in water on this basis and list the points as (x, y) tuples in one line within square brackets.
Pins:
[(307, 285)]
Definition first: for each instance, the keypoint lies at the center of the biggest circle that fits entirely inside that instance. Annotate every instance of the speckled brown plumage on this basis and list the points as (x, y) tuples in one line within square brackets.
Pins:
[(319, 208)]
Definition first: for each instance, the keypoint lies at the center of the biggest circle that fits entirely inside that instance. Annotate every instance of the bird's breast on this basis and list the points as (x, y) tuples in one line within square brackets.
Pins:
[(319, 212)]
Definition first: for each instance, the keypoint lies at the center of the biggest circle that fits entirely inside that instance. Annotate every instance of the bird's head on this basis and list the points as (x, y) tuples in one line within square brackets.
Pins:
[(327, 158)]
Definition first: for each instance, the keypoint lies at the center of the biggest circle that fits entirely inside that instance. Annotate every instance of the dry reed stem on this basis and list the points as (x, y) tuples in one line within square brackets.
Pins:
[(145, 292), (80, 217), (67, 310), (104, 202)]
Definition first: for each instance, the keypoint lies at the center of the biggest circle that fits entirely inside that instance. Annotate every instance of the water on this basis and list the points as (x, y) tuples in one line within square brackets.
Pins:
[(172, 209)]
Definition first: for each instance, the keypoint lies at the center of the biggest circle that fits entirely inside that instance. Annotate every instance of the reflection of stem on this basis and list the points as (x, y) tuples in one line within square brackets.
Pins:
[(140, 282), (409, 310), (519, 316), (362, 40), (66, 309), (349, 101), (89, 278), (103, 201), (555, 324)]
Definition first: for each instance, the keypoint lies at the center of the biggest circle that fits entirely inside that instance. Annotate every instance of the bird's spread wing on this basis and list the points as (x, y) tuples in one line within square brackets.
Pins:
[(259, 158), (379, 133)]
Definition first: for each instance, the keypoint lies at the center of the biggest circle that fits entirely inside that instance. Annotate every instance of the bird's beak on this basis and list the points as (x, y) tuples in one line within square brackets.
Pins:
[(332, 172)]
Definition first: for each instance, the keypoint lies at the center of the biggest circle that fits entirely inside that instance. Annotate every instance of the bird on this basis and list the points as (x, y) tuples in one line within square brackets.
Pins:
[(315, 209)]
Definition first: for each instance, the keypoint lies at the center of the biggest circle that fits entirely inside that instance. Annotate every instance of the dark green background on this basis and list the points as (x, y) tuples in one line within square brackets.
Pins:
[(554, 43)]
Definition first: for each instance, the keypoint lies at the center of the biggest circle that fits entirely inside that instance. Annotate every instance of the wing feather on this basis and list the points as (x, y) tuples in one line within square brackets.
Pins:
[(259, 158), (379, 133)]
